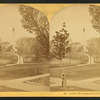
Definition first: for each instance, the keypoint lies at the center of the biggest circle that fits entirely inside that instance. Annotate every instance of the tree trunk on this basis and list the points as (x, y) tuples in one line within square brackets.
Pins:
[(20, 60), (90, 59)]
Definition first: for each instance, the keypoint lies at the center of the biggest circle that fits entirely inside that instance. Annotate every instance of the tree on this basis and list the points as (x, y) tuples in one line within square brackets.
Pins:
[(60, 43), (93, 46), (25, 46), (76, 47), (95, 13), (35, 22), (6, 47)]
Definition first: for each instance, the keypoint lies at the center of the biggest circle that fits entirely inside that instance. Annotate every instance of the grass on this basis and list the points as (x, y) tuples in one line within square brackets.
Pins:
[(22, 70), (69, 88), (67, 63), (78, 73), (8, 89), (42, 81), (4, 61), (97, 82)]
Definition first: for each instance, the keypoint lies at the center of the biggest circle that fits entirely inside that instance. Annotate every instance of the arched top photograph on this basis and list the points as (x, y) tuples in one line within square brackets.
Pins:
[(75, 47), (24, 48)]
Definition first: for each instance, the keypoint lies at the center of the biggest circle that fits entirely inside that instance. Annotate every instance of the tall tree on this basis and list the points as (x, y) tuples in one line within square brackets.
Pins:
[(60, 43), (6, 47), (93, 46), (35, 22), (28, 46), (76, 47), (95, 13)]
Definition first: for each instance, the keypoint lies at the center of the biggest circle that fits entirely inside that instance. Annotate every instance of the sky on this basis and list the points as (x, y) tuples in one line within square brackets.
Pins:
[(47, 9), (76, 18), (10, 18)]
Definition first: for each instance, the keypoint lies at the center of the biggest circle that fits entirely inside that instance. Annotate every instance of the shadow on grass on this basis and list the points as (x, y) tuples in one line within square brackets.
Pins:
[(68, 88)]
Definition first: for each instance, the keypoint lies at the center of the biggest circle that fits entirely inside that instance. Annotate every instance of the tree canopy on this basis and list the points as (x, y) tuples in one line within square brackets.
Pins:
[(95, 13), (60, 43), (5, 47), (93, 46), (35, 22), (25, 45), (76, 47)]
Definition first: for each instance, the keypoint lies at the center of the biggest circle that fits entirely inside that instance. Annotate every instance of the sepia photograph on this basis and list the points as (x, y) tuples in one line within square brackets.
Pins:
[(24, 49), (75, 49), (48, 49)]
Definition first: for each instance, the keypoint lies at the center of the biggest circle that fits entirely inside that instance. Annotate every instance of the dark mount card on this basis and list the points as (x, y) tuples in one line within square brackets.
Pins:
[(49, 1)]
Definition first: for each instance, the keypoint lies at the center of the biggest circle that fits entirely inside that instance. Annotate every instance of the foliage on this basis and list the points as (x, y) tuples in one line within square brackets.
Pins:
[(24, 45), (76, 47), (95, 13), (5, 47), (35, 22), (28, 46), (60, 43), (93, 46)]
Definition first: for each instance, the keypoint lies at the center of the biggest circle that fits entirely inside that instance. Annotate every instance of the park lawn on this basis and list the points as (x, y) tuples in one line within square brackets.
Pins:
[(78, 73), (67, 63), (45, 81), (22, 70), (4, 61), (69, 88), (8, 89)]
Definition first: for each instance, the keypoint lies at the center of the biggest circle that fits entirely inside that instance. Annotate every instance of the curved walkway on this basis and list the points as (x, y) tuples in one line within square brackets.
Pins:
[(19, 84), (87, 83)]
